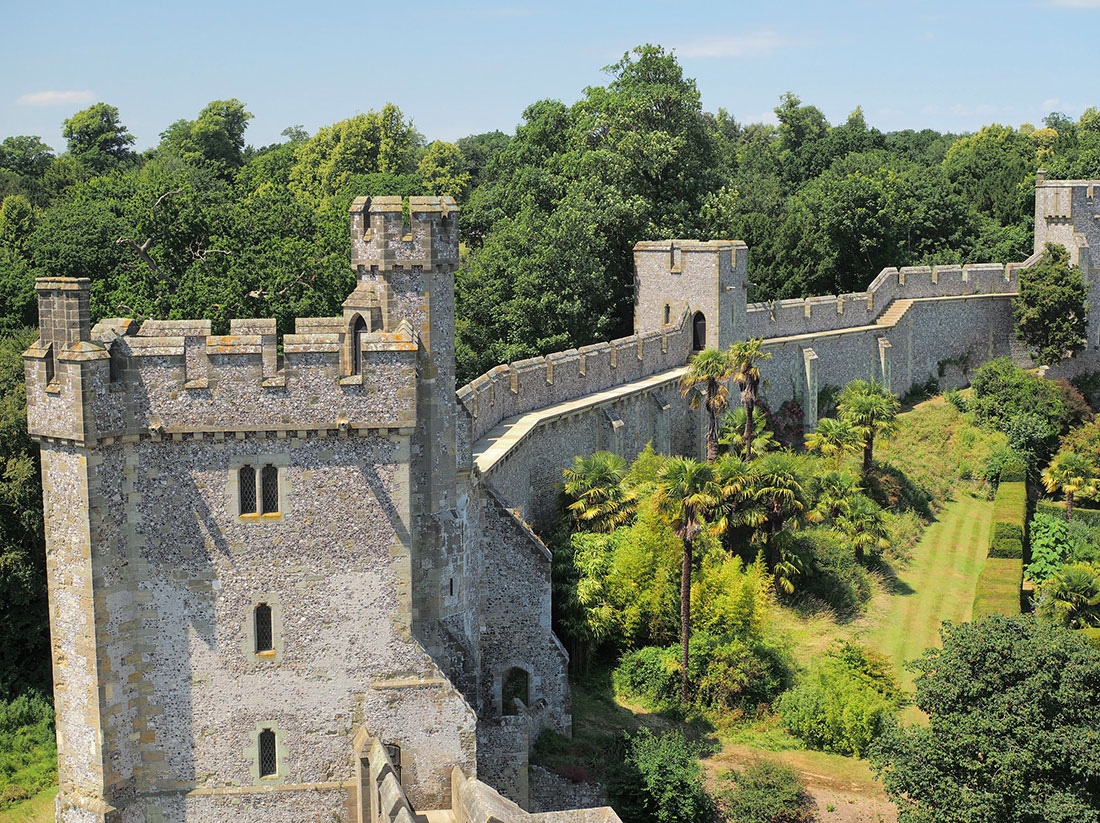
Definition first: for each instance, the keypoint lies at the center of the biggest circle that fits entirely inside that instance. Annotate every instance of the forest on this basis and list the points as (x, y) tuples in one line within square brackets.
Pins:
[(204, 225)]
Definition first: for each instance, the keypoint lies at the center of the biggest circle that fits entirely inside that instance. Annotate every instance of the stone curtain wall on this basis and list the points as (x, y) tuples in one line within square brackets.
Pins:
[(539, 382)]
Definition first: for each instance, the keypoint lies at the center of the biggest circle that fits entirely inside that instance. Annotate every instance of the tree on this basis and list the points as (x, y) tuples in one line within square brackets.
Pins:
[(97, 139), (595, 485), (26, 155), (991, 168), (1069, 473), (863, 526), (1051, 308), (1071, 597), (687, 492), (705, 385), (834, 437), (744, 357), (378, 141), (443, 170), (776, 498), (872, 410), (215, 137), (731, 433), (1012, 720)]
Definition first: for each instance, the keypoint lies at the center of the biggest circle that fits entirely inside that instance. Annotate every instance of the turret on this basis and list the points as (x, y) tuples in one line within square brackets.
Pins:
[(707, 279)]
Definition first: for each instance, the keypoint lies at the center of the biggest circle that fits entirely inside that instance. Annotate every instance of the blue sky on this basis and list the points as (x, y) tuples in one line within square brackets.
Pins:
[(460, 68)]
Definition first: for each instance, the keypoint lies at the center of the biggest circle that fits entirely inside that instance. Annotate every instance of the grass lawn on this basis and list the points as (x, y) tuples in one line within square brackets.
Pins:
[(937, 585), (39, 809)]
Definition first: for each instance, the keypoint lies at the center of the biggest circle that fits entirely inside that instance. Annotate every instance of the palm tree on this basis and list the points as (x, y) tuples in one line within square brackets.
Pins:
[(834, 437), (734, 478), (744, 356), (687, 492), (1071, 597), (1069, 473), (732, 434), (705, 384), (776, 497), (872, 410), (833, 493), (600, 503), (862, 524)]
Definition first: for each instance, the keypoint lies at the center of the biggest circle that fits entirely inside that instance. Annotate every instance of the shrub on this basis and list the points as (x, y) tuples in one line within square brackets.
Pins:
[(1005, 463), (1089, 386), (1076, 407), (658, 779), (1088, 517), (1009, 516), (764, 792), (844, 704), (724, 673), (833, 576), (28, 747), (955, 398), (1051, 543), (1002, 390)]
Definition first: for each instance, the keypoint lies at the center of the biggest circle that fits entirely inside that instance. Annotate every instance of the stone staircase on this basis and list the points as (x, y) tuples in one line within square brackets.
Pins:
[(894, 312)]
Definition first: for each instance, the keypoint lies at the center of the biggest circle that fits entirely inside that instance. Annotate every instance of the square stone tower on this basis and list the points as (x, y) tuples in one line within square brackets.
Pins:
[(706, 279), (1068, 212)]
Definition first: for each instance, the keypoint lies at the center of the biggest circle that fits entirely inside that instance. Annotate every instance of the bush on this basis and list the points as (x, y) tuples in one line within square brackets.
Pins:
[(28, 747), (1002, 390), (764, 792), (1088, 517), (1009, 516), (834, 576), (998, 587), (658, 779), (1053, 542), (724, 673), (844, 704), (955, 398), (1005, 463)]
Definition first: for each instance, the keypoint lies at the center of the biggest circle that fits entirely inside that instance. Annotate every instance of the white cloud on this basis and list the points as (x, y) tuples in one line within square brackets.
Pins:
[(56, 98), (1076, 4), (754, 44)]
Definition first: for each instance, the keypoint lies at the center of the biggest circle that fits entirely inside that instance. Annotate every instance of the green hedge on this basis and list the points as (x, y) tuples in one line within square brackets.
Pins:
[(1058, 509), (1091, 634), (1009, 516), (1014, 470), (998, 589)]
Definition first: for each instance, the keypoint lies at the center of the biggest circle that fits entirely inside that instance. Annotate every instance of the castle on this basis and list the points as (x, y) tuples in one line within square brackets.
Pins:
[(296, 582)]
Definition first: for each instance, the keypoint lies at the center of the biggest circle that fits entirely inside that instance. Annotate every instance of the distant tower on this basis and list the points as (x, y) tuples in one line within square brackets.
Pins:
[(1068, 212), (707, 279)]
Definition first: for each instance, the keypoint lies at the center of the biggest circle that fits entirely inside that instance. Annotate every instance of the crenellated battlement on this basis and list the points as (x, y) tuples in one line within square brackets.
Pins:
[(515, 388), (831, 312), (175, 377), (381, 240)]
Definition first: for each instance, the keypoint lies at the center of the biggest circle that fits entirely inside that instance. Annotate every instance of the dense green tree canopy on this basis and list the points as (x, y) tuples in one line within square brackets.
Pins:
[(1050, 311), (1011, 734), (97, 139)]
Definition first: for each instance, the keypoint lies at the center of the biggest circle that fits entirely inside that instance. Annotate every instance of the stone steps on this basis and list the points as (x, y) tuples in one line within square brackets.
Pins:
[(894, 312)]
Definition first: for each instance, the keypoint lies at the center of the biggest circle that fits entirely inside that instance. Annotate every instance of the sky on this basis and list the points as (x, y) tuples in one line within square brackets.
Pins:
[(462, 68)]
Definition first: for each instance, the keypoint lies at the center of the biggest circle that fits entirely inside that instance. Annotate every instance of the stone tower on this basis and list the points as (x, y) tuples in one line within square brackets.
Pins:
[(1068, 212), (247, 549), (706, 279)]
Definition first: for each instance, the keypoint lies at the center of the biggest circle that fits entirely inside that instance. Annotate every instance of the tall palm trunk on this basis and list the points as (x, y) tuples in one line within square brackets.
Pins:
[(712, 422), (1069, 508), (685, 620), (748, 399), (868, 453)]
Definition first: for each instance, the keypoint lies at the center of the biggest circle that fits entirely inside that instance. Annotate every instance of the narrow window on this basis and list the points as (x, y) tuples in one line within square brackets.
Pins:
[(516, 686), (394, 751), (263, 629), (269, 765), (358, 329), (49, 365), (246, 483), (115, 363), (668, 314), (270, 481), (452, 587)]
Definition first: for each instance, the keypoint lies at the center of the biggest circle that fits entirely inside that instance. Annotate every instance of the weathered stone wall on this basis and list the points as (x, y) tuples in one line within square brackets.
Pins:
[(539, 382)]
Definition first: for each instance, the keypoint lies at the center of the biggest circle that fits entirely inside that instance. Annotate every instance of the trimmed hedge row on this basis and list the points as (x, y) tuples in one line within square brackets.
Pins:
[(1009, 516), (1057, 508), (1014, 470), (998, 589)]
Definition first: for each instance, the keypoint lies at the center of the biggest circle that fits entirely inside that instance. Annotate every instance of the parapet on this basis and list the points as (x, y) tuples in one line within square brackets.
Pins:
[(173, 377), (380, 238), (516, 388)]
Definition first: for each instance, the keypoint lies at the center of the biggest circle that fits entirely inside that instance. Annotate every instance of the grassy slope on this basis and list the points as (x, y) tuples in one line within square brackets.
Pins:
[(938, 585), (39, 809)]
